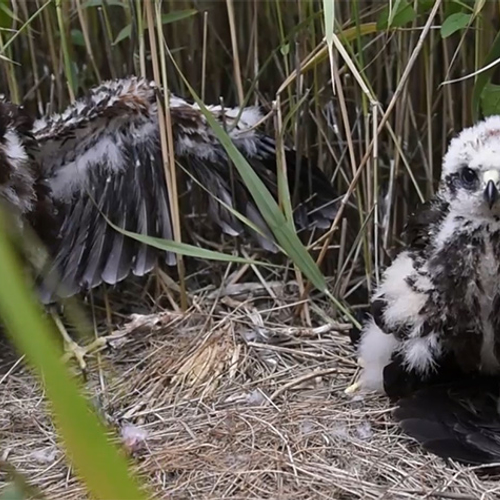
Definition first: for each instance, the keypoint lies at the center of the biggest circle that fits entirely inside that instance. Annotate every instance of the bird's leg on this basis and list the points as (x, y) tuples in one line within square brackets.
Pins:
[(73, 349), (356, 386)]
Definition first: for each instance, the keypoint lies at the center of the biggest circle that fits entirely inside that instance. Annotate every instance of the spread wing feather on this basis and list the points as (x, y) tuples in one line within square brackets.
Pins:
[(102, 159), (221, 184)]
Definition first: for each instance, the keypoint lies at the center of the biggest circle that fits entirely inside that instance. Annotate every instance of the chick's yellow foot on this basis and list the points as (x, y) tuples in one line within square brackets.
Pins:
[(74, 350), (79, 353), (353, 388)]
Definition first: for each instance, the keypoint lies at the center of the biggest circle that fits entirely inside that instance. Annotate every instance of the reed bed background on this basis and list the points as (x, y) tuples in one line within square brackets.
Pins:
[(327, 106), (371, 91)]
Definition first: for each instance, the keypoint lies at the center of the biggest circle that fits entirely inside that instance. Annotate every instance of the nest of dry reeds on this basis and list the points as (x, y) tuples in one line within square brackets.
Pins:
[(234, 399)]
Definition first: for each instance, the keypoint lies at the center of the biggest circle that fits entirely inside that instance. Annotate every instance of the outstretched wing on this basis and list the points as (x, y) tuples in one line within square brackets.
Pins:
[(455, 420), (102, 158)]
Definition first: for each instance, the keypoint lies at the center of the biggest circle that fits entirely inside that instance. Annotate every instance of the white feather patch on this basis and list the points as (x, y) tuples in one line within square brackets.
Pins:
[(375, 350), (404, 304), (14, 149), (420, 353)]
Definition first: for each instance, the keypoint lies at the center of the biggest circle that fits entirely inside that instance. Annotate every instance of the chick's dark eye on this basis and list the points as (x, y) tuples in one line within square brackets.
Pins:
[(468, 176)]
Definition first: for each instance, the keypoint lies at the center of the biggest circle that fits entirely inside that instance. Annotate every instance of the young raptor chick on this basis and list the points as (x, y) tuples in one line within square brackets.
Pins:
[(440, 298)]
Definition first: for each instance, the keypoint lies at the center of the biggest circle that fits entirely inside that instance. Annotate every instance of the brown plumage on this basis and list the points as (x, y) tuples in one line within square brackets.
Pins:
[(102, 156)]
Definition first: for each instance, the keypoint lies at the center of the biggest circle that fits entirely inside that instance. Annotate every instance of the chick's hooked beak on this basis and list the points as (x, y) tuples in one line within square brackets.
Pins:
[(491, 179)]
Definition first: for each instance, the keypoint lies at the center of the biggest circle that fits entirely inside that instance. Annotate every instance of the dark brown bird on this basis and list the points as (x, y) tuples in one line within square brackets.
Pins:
[(102, 156)]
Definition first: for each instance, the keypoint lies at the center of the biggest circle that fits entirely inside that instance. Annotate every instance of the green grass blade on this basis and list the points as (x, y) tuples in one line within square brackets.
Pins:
[(187, 249), (96, 460), (286, 237), (68, 70), (230, 209), (485, 77), (329, 18)]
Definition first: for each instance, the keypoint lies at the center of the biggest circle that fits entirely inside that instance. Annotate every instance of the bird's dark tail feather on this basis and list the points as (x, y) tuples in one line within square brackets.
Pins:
[(458, 420), (452, 414)]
